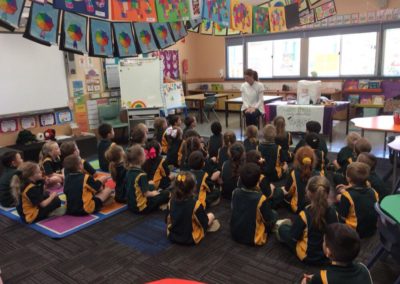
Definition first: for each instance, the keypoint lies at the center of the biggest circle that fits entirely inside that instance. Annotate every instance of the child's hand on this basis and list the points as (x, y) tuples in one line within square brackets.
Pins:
[(340, 188), (306, 278), (53, 195), (151, 182), (103, 179)]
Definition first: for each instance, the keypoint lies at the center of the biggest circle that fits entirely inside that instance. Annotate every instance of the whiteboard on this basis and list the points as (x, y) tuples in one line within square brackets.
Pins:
[(32, 76), (141, 82)]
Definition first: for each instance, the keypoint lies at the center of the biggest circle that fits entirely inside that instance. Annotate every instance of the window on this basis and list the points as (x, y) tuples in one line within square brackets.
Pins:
[(391, 60), (358, 54), (323, 56), (286, 57), (235, 61), (259, 58)]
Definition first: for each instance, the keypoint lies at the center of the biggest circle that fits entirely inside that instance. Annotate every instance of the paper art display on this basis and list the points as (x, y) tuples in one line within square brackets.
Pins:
[(178, 30), (217, 11), (241, 16), (163, 35), (325, 10), (134, 10), (260, 20), (196, 7), (28, 122), (73, 33), (10, 13), (47, 119), (277, 19), (98, 8), (219, 30), (124, 40), (172, 10), (101, 38), (206, 27), (145, 37)]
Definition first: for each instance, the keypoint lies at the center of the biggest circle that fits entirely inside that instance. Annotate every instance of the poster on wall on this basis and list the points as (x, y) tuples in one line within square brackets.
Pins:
[(277, 19), (260, 20), (217, 11), (28, 122), (325, 10), (241, 16), (77, 88), (173, 95), (98, 8), (42, 25), (10, 13), (100, 38), (170, 60), (134, 11), (195, 9), (145, 38), (124, 40), (92, 80), (47, 119), (172, 11), (73, 33), (8, 125), (308, 18), (64, 117)]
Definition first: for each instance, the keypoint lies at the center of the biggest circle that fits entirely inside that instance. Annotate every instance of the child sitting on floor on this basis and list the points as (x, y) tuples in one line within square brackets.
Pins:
[(187, 222), (174, 138), (283, 138), (33, 202), (11, 160), (252, 215), (139, 134), (251, 141), (313, 127), (106, 133), (231, 168), (313, 140), (216, 139), (50, 163), (160, 125), (347, 154), (140, 198), (341, 245), (305, 236), (69, 148), (190, 123), (115, 156), (85, 195), (229, 139)]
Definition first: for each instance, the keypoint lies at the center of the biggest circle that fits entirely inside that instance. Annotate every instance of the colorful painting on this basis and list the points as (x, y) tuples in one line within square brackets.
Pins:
[(278, 3), (219, 30), (42, 25), (277, 19), (232, 32), (206, 27), (47, 119), (145, 37), (101, 38), (172, 10), (8, 125), (217, 11), (170, 60), (64, 117), (73, 33), (98, 8), (10, 13), (325, 10), (260, 20), (196, 7), (124, 40), (313, 2), (163, 35), (193, 25), (307, 19), (178, 30), (134, 10), (241, 16)]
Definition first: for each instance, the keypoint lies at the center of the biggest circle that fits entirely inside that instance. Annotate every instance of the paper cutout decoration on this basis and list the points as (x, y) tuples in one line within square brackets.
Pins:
[(292, 16), (124, 40), (134, 10), (172, 10), (241, 16), (163, 35), (73, 33), (308, 18), (178, 30), (170, 60), (206, 27), (10, 13), (47, 119), (9, 125), (101, 38), (42, 25), (145, 37), (217, 11), (28, 122), (195, 8), (219, 30), (260, 20), (64, 117), (277, 19), (325, 10), (98, 8)]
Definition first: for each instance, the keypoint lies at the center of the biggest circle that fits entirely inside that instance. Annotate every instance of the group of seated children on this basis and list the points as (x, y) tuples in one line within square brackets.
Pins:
[(179, 172)]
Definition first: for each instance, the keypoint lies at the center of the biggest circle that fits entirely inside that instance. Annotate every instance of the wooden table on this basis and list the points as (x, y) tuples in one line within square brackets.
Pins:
[(395, 146), (199, 99)]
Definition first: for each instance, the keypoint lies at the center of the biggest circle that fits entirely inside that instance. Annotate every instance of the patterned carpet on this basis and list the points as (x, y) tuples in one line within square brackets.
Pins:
[(133, 249)]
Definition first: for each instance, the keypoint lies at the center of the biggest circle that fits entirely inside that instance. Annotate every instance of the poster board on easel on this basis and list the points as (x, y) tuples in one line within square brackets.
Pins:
[(141, 82), (173, 96)]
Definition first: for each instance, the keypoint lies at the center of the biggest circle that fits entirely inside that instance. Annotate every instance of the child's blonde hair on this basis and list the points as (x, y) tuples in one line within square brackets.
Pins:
[(229, 138), (318, 187), (352, 139), (184, 186), (134, 155), (252, 133), (269, 132), (46, 150), (280, 125), (159, 123), (114, 155), (24, 172)]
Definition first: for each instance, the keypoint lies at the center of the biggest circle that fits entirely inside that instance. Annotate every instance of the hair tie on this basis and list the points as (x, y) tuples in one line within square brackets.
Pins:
[(150, 154), (181, 178), (306, 161)]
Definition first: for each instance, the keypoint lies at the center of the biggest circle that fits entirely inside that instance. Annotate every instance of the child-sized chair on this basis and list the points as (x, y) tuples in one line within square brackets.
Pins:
[(110, 113)]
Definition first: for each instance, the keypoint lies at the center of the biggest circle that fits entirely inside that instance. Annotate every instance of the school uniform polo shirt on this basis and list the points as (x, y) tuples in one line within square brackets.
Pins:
[(103, 146), (137, 185), (31, 196), (354, 273), (51, 166)]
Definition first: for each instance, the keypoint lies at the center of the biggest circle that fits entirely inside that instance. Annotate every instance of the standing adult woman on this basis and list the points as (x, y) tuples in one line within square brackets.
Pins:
[(253, 97)]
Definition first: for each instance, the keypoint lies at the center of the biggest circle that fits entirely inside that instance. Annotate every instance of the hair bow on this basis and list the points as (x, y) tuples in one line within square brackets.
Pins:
[(181, 178), (306, 161), (150, 154)]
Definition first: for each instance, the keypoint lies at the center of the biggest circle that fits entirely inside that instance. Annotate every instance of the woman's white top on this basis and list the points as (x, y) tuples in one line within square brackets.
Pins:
[(253, 96)]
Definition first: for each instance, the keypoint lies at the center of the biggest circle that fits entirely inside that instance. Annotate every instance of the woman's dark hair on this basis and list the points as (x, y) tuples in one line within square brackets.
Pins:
[(148, 165), (184, 186), (255, 75), (249, 72), (236, 153), (216, 128)]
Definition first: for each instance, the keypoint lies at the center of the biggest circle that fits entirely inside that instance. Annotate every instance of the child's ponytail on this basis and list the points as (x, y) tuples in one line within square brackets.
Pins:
[(318, 188), (305, 162), (114, 155), (22, 175)]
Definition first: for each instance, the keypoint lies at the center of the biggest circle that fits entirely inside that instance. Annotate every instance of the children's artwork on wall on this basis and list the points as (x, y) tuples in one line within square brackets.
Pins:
[(217, 11), (47, 119), (170, 60), (134, 10), (277, 3), (163, 35), (124, 40), (313, 2), (260, 20), (73, 33), (277, 19), (325, 10), (28, 122), (206, 27), (292, 16), (193, 25), (178, 30), (64, 117), (77, 88), (241, 16), (232, 32), (219, 30), (173, 95), (303, 5), (92, 80), (196, 7), (98, 8), (10, 13), (145, 37), (172, 10), (42, 25), (307, 18), (8, 125), (101, 43)]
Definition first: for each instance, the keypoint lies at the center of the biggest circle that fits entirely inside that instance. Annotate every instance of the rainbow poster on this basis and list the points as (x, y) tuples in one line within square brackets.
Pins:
[(10, 13), (124, 40), (178, 30), (162, 34), (73, 33), (172, 10), (134, 10), (97, 8), (241, 16), (42, 26), (217, 11), (101, 43), (145, 37), (260, 20)]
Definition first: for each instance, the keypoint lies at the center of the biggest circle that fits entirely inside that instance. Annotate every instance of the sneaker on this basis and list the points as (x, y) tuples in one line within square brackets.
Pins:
[(215, 225)]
